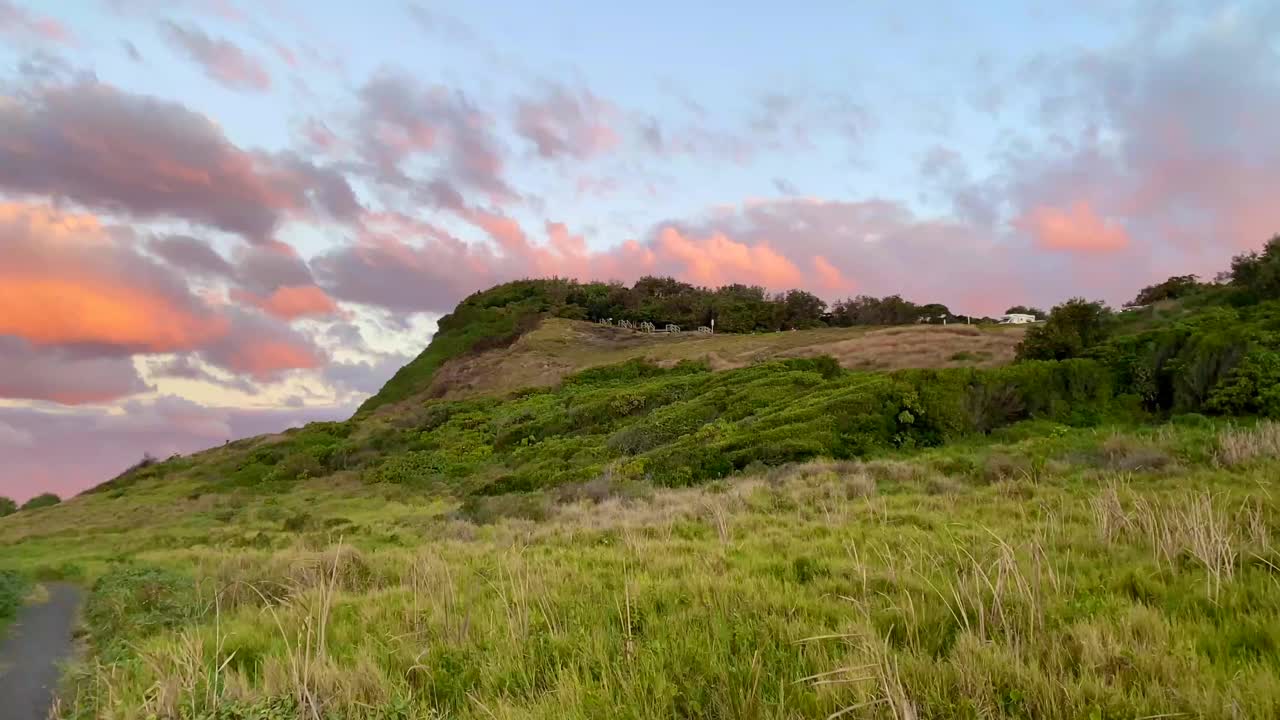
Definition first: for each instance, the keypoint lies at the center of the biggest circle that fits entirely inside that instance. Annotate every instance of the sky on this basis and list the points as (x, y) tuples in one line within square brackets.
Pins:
[(221, 218)]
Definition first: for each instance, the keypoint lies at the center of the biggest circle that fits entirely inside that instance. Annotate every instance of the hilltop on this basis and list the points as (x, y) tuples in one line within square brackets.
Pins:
[(557, 347), (546, 516), (503, 315)]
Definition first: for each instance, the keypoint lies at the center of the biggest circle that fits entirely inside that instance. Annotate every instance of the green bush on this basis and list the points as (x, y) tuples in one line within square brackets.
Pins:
[(1258, 274), (1072, 328), (41, 501), (132, 602), (13, 590), (7, 506), (1251, 388)]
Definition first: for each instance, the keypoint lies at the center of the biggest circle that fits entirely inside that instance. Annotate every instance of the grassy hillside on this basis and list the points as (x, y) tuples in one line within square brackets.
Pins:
[(500, 316), (1041, 572), (558, 347), (541, 517)]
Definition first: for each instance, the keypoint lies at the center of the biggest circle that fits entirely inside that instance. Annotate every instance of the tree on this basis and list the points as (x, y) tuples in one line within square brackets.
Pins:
[(802, 309), (7, 506), (867, 310), (934, 313), (1026, 310), (42, 500), (1259, 273), (1171, 289), (1071, 328)]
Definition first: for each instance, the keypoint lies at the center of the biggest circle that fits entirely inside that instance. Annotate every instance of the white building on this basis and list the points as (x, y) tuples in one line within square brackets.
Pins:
[(1017, 319)]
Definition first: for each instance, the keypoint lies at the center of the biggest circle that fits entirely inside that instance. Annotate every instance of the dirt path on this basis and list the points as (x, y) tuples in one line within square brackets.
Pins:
[(29, 655)]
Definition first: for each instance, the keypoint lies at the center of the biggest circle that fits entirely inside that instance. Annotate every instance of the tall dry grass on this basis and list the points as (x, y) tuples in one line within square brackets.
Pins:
[(1203, 526), (1237, 446)]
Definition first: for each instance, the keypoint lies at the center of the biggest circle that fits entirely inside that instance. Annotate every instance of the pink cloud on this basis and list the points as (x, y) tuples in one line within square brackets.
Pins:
[(401, 119), (318, 134), (564, 122), (563, 242), (67, 281), (267, 358), (288, 56), (1077, 229), (150, 158), (717, 259), (504, 230), (829, 276), (261, 347), (1165, 141), (77, 290), (221, 59), (291, 302), (17, 21)]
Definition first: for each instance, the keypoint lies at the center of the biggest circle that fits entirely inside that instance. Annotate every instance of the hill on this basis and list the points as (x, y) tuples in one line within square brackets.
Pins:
[(545, 517), (502, 315), (557, 347)]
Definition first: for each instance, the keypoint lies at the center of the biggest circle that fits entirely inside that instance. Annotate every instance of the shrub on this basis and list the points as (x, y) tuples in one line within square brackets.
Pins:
[(131, 602), (489, 509), (608, 485), (1258, 273), (1000, 466), (41, 501), (7, 506), (627, 372), (297, 522), (1192, 420), (1129, 455), (1252, 387), (13, 589), (825, 365), (1175, 287), (1071, 328), (993, 404)]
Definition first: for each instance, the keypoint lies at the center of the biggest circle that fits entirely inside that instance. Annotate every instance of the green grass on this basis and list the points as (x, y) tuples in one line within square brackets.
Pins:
[(1042, 572)]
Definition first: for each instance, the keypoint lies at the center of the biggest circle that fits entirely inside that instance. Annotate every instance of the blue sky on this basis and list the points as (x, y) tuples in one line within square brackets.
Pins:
[(223, 217)]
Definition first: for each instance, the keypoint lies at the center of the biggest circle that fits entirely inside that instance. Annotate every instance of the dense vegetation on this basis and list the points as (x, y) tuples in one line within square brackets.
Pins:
[(7, 506), (1088, 532), (1215, 350)]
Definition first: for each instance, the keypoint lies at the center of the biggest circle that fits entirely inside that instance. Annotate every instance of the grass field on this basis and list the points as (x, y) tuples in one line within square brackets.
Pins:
[(1044, 572)]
